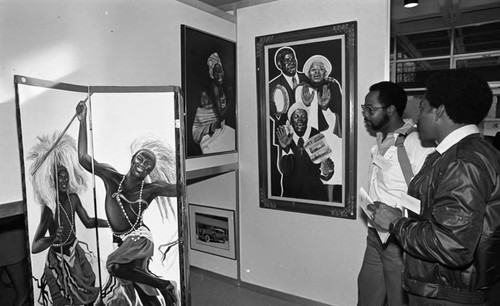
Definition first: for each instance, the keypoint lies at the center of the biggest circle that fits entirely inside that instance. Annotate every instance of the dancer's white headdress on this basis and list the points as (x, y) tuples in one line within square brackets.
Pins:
[(164, 169), (44, 179)]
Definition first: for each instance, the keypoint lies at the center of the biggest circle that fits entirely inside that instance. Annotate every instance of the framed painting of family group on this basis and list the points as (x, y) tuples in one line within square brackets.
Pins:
[(307, 125)]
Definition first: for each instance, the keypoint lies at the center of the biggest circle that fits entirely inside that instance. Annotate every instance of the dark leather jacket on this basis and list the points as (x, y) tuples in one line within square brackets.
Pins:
[(452, 249)]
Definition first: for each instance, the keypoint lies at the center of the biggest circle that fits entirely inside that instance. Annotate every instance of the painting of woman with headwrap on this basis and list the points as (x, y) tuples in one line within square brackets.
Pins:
[(209, 86)]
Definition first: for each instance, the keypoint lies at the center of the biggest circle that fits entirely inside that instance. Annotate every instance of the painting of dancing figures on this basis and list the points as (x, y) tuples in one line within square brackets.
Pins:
[(101, 195)]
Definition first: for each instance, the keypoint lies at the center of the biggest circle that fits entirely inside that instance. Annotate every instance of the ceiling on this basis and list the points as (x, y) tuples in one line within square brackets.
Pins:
[(435, 12), (425, 30), (436, 16), (231, 5)]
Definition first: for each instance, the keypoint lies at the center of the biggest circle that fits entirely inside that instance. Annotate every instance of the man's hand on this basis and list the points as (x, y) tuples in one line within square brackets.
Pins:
[(214, 126), (327, 166), (325, 98), (383, 215), (307, 97), (81, 110), (58, 235), (284, 138)]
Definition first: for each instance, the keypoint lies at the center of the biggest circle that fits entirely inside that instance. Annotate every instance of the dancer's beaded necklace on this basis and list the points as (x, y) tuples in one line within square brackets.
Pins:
[(70, 220), (138, 221)]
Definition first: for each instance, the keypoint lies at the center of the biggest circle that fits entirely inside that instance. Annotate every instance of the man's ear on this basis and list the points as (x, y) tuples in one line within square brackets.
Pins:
[(391, 109), (440, 112)]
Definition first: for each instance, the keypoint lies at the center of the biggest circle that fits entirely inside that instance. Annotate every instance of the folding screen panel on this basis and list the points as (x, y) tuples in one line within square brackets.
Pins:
[(102, 180)]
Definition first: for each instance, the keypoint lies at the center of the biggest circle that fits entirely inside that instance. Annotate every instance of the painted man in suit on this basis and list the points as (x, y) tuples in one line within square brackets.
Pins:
[(281, 97), (302, 178), (282, 87)]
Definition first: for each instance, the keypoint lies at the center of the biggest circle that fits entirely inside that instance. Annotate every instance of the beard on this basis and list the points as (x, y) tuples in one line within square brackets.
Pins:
[(376, 126)]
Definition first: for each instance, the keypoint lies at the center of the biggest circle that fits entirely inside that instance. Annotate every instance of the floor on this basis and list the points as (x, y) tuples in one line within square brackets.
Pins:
[(210, 290), (206, 290)]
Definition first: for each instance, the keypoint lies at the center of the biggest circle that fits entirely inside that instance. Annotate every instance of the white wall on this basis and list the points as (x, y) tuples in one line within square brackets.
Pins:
[(310, 256), (128, 42), (88, 42), (219, 192)]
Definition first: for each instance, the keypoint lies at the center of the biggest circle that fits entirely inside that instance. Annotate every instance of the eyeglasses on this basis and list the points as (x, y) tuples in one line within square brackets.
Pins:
[(370, 109)]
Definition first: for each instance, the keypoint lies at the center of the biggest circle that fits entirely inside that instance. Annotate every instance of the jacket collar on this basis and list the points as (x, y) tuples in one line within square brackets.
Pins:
[(455, 136)]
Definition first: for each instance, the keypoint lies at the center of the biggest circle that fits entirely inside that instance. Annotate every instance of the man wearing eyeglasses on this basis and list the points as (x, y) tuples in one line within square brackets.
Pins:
[(452, 242), (379, 281)]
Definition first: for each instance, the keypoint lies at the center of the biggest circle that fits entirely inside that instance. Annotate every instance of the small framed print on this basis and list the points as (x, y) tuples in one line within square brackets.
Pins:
[(212, 230)]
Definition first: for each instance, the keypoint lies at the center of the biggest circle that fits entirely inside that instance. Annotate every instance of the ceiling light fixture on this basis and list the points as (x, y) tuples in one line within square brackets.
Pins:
[(410, 3)]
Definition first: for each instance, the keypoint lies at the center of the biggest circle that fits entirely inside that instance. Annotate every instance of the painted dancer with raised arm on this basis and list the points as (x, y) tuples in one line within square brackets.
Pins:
[(127, 198)]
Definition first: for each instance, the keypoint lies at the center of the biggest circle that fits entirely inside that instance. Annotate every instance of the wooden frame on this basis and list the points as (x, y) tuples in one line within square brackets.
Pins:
[(280, 184), (211, 129), (212, 230)]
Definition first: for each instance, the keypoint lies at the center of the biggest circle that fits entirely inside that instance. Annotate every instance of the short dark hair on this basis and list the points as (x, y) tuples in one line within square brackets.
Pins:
[(391, 94), (466, 96), (282, 52)]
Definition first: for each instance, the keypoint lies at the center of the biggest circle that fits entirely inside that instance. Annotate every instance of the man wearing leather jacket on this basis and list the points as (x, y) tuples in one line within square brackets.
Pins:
[(452, 244)]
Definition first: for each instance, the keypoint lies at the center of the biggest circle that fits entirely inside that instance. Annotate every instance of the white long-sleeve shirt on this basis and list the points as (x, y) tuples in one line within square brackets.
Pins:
[(387, 181)]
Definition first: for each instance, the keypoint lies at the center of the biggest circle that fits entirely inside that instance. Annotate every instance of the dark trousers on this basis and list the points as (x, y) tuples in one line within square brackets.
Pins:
[(379, 281)]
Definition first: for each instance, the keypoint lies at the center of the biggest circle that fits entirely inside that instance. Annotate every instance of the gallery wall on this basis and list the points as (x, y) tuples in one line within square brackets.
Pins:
[(113, 42), (97, 43), (218, 192), (126, 42), (310, 256)]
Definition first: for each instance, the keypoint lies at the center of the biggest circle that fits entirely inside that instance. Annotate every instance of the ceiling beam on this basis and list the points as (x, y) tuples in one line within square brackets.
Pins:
[(241, 4), (210, 9)]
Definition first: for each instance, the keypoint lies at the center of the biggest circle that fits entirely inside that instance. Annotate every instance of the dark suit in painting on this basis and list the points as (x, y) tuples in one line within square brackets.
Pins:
[(278, 112), (279, 118), (302, 178), (281, 97)]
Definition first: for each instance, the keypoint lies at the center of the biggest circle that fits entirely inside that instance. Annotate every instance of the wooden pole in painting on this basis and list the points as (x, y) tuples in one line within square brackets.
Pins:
[(89, 116), (58, 212), (44, 157)]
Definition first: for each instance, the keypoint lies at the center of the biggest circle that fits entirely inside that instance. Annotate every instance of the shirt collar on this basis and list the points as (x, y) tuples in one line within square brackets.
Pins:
[(289, 79), (408, 124), (406, 127), (455, 136)]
